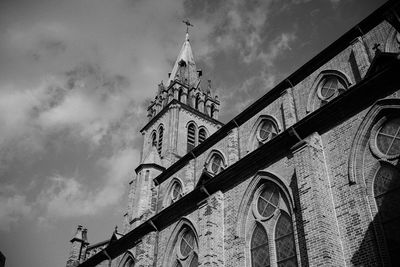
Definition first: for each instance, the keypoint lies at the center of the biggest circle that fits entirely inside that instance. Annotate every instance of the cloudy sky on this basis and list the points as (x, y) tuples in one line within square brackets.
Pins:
[(75, 79)]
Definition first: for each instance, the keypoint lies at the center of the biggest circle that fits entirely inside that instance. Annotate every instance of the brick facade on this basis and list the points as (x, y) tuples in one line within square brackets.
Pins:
[(326, 179)]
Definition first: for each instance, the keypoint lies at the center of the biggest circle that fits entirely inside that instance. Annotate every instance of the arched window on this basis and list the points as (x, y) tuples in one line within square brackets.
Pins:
[(185, 251), (154, 139), (215, 163), (176, 191), (265, 130), (160, 139), (202, 135), (191, 137), (388, 138), (387, 198), (330, 87), (284, 241), (269, 212), (127, 261), (259, 247), (197, 102)]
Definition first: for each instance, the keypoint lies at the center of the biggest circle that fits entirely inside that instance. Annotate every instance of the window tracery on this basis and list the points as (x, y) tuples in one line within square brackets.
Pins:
[(185, 251), (266, 130), (328, 85), (272, 237), (215, 164)]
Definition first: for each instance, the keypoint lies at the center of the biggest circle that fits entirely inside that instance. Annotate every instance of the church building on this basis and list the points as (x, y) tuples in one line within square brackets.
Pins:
[(308, 175)]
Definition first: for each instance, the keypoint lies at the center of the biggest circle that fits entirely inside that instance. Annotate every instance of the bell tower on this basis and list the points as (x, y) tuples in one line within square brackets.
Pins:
[(183, 114)]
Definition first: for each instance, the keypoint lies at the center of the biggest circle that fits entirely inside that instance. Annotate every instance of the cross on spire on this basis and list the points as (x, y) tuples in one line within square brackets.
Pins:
[(187, 22)]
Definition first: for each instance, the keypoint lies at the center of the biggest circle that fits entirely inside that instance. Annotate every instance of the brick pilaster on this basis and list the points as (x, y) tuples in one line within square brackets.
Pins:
[(316, 202), (211, 224)]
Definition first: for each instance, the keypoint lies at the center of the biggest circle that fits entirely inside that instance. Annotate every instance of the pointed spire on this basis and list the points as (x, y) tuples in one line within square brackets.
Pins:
[(184, 68)]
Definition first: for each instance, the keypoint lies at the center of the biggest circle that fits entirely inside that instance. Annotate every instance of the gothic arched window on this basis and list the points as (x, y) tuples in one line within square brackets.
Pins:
[(388, 138), (387, 198), (202, 135), (284, 241), (269, 212), (127, 260), (191, 137), (185, 251), (259, 247), (160, 139), (215, 163), (154, 139), (328, 85), (176, 191)]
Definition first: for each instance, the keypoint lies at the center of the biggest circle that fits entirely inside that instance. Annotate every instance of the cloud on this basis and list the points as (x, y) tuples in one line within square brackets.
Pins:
[(66, 197), (12, 209)]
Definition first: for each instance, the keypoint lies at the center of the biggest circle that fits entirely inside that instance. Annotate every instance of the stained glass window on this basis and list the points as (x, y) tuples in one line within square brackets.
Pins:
[(388, 138), (191, 138), (267, 130), (187, 243), (284, 241), (387, 197), (259, 248), (268, 200)]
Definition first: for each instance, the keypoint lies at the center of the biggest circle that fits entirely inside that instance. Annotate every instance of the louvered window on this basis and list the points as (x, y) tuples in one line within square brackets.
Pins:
[(259, 248), (202, 135), (160, 139), (284, 241), (191, 137)]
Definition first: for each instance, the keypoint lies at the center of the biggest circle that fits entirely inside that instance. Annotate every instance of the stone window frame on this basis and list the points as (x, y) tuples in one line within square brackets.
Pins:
[(254, 140), (171, 255), (196, 132), (126, 258), (202, 128), (378, 113), (392, 43), (207, 164), (374, 135), (167, 199), (315, 96), (247, 218)]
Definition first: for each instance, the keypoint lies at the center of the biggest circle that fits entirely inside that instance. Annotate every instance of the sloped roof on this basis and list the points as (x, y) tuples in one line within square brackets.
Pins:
[(186, 56), (152, 157)]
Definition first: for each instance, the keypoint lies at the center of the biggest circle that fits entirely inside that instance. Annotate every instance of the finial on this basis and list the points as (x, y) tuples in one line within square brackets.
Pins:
[(116, 229), (187, 22)]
